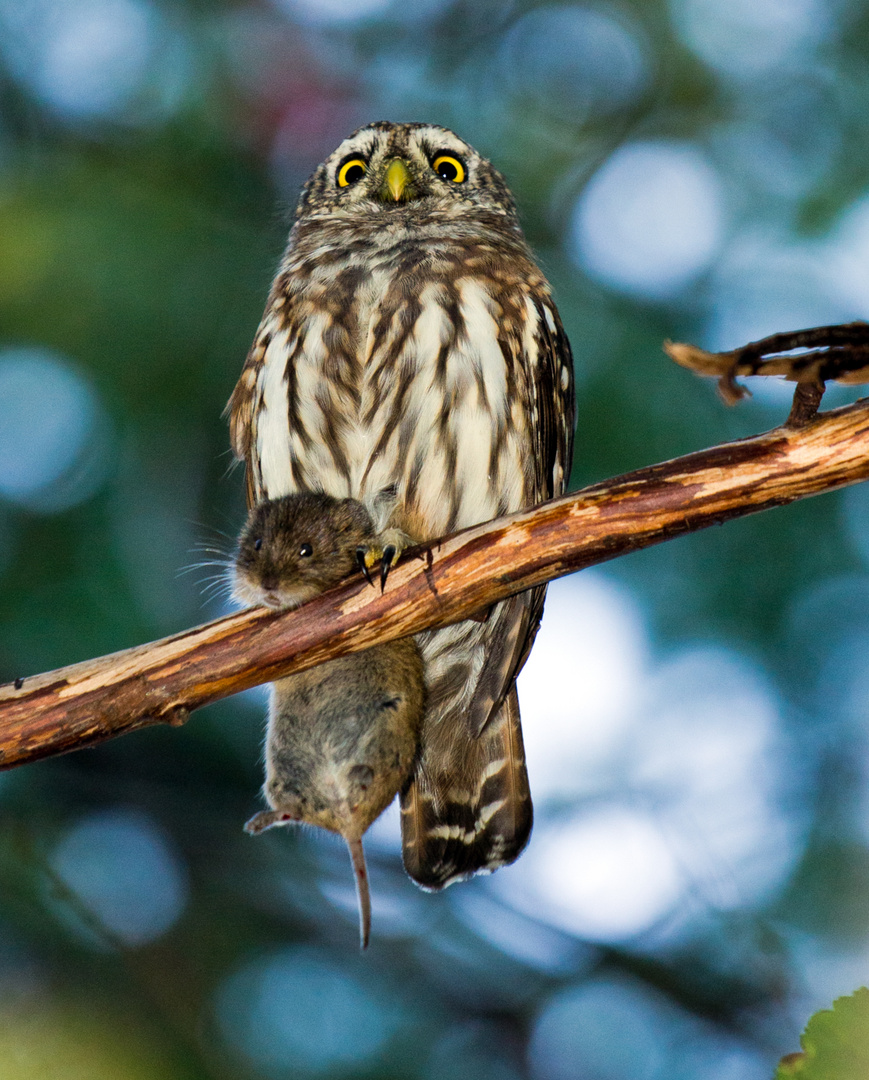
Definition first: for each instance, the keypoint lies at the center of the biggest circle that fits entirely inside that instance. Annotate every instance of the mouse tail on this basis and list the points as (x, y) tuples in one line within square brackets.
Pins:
[(357, 856)]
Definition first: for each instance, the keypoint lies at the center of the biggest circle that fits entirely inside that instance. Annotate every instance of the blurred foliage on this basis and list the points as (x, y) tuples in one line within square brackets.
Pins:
[(835, 1043), (139, 230)]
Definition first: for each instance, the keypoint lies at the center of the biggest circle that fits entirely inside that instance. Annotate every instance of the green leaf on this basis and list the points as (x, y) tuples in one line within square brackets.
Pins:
[(835, 1043)]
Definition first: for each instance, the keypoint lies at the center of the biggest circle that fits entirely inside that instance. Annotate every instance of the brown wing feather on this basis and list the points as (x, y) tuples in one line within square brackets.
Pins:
[(555, 401), (555, 410), (507, 642), (240, 410)]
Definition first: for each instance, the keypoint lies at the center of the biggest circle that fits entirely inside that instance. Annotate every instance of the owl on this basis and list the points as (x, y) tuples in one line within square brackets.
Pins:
[(411, 356)]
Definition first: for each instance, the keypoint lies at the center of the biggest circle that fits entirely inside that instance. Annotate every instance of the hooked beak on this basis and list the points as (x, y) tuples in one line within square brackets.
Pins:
[(397, 183)]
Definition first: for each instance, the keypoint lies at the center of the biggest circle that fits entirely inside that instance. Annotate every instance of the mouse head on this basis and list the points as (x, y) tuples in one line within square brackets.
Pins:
[(293, 548)]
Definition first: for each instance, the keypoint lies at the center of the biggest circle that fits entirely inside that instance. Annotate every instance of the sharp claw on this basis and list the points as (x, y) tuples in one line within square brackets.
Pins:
[(363, 566), (386, 565)]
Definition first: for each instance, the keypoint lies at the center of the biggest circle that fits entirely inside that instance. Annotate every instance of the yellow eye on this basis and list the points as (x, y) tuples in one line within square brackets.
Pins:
[(449, 168), (351, 172)]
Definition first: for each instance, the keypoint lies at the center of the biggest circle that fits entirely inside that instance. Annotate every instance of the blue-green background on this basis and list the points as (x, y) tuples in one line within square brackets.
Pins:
[(698, 881)]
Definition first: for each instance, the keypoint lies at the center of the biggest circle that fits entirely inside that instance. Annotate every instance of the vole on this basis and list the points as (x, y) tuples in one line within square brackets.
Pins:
[(342, 738)]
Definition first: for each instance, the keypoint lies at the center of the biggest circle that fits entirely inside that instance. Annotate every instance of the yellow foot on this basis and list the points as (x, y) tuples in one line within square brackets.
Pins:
[(384, 552)]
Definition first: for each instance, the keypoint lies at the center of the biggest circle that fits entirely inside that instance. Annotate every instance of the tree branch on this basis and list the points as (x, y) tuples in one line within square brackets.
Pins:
[(810, 358), (449, 580)]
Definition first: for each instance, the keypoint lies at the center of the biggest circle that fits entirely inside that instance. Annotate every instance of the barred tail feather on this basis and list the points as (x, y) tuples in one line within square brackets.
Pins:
[(470, 812)]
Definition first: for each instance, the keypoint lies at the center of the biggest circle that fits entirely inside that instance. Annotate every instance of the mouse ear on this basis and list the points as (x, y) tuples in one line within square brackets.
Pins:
[(355, 516), (267, 819)]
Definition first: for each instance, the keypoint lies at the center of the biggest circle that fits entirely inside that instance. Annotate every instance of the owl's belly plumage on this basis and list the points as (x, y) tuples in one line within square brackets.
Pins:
[(409, 394)]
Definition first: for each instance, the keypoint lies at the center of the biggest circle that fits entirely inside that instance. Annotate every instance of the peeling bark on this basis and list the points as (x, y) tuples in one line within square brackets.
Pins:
[(443, 582)]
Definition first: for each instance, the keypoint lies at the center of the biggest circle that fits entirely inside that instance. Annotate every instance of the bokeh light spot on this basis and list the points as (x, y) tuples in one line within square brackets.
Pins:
[(582, 681), (49, 420), (691, 792), (575, 60), (845, 257), (713, 762), (610, 1029), (122, 869), (332, 11), (603, 1030), (85, 60), (744, 37), (650, 220), (606, 873), (765, 282), (294, 1010)]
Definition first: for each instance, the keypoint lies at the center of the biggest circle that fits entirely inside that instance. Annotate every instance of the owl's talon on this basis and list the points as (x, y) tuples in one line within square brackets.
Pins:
[(361, 553), (384, 553), (390, 558)]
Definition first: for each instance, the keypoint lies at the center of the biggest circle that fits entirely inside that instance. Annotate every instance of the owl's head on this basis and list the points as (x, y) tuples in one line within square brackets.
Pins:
[(385, 167)]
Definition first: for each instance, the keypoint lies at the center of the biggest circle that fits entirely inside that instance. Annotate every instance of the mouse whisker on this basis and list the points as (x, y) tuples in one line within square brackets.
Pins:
[(205, 563), (216, 581), (207, 549), (209, 597)]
